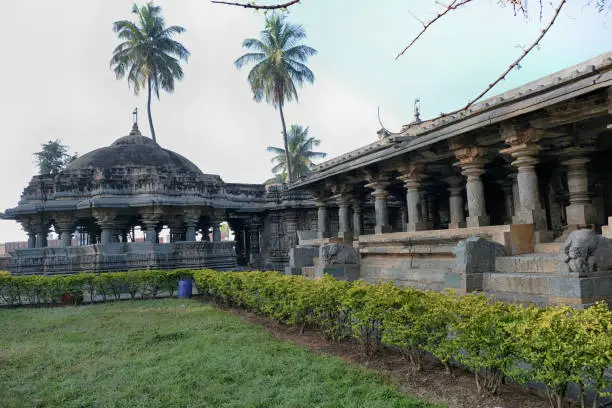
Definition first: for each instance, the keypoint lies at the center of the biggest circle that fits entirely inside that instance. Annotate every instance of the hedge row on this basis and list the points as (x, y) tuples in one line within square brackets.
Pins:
[(555, 346), (74, 289)]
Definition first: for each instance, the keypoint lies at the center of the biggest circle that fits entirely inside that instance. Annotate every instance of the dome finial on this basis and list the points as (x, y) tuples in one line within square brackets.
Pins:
[(135, 130)]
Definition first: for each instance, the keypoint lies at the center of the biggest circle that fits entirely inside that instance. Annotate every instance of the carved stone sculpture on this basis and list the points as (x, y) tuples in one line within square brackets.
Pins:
[(338, 254), (586, 252)]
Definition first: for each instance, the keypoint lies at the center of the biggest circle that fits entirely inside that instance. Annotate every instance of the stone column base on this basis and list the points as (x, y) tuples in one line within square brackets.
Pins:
[(478, 221), (382, 229), (579, 214), (416, 226), (456, 225)]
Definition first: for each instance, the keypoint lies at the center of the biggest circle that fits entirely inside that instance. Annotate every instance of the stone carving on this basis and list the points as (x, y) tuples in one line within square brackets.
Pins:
[(338, 254), (477, 255), (586, 252)]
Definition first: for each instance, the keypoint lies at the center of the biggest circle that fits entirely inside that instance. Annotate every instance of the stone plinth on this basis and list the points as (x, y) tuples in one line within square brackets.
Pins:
[(123, 257), (428, 259)]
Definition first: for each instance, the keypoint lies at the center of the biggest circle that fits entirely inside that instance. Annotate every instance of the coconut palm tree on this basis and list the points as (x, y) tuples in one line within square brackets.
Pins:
[(300, 146), (279, 65), (147, 54)]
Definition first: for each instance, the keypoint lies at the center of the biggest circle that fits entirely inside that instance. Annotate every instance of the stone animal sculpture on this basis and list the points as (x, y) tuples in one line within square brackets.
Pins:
[(338, 254), (586, 252)]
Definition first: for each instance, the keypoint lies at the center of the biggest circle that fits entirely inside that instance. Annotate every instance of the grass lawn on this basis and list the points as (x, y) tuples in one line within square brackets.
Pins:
[(169, 353)]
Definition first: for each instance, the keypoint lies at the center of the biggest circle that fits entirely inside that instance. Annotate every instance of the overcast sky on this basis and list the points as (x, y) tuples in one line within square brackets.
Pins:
[(57, 82)]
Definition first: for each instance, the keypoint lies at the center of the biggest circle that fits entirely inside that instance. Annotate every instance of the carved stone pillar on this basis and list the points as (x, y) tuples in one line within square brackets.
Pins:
[(344, 226), (506, 187), (150, 221), (424, 208), (356, 219), (31, 239), (530, 211), (580, 210), (379, 185), (28, 227), (216, 232), (516, 201), (254, 247), (412, 175), (404, 218), (472, 161), (64, 226), (106, 220), (455, 202), (322, 225), (191, 216), (290, 223)]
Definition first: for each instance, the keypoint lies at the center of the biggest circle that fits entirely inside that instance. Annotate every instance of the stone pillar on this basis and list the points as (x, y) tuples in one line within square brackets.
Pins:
[(530, 211), (290, 223), (412, 175), (516, 201), (344, 226), (455, 202), (107, 223), (254, 248), (216, 232), (31, 239), (191, 216), (149, 223), (404, 218), (30, 230), (64, 225), (322, 225), (524, 149), (381, 213), (356, 219), (580, 210), (424, 208), (506, 188), (431, 211), (472, 161)]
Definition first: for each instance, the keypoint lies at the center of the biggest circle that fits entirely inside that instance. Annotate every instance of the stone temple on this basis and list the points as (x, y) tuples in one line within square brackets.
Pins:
[(512, 197), (102, 196)]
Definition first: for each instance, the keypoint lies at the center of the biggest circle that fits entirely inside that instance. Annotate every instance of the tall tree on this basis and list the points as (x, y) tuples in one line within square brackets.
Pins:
[(148, 54), (279, 64), (300, 153), (53, 157)]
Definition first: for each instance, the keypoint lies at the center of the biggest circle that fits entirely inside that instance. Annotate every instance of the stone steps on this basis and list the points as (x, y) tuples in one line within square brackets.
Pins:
[(549, 247), (531, 263)]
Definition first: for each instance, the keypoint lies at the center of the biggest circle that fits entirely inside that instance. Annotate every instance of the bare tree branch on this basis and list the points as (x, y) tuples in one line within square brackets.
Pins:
[(453, 6), (519, 59), (258, 7)]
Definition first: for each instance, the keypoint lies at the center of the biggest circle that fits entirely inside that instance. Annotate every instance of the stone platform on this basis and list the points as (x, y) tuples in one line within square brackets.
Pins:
[(123, 257)]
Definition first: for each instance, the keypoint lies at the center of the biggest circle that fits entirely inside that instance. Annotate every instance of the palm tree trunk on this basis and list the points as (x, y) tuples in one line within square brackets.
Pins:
[(149, 111), (289, 169)]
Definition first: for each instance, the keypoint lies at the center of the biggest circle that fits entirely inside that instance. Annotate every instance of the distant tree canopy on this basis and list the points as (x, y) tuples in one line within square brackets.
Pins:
[(279, 64), (148, 55), (53, 157), (300, 153)]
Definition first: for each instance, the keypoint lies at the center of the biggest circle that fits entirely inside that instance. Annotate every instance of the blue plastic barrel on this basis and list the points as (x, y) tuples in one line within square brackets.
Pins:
[(185, 288)]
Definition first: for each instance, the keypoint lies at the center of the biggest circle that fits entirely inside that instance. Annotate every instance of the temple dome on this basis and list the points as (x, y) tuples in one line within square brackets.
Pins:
[(132, 151)]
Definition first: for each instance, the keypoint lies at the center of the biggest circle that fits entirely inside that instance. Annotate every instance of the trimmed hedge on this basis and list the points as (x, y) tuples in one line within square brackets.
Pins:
[(559, 345), (74, 289)]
